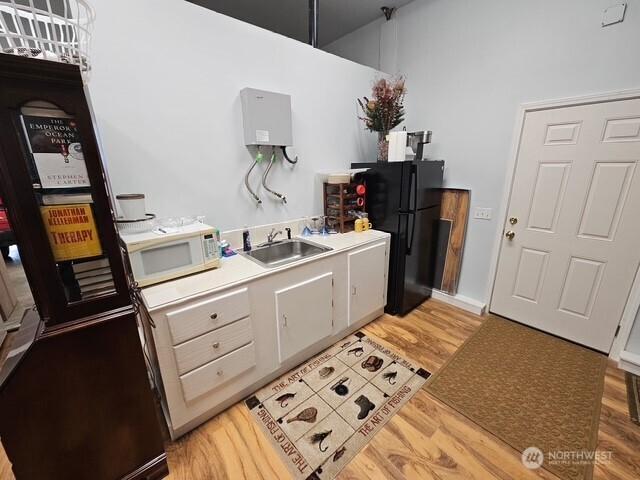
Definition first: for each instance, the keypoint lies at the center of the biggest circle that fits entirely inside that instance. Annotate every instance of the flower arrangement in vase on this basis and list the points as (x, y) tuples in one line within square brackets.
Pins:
[(384, 110)]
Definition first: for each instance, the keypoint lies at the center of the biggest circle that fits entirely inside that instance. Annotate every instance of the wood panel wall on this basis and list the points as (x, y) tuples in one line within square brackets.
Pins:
[(455, 209)]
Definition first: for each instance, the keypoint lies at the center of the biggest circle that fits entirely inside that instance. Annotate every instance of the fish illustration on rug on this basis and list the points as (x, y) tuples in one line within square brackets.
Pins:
[(339, 453), (283, 400), (357, 352), (319, 438), (307, 415), (326, 371), (389, 376), (345, 344)]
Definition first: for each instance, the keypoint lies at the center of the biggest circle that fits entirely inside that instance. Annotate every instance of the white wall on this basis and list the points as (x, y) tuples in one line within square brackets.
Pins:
[(470, 64), (362, 45), (165, 88)]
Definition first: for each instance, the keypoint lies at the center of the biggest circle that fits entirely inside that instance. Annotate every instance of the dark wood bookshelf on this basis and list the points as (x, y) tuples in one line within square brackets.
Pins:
[(76, 402)]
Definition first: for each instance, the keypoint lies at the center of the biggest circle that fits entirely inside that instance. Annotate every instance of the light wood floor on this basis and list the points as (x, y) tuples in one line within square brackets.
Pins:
[(425, 440)]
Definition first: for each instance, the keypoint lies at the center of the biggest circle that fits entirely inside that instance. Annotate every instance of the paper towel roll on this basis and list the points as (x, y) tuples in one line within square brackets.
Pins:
[(397, 146)]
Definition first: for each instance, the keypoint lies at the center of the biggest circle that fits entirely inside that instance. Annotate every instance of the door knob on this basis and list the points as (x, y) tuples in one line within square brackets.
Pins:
[(510, 234), (513, 220)]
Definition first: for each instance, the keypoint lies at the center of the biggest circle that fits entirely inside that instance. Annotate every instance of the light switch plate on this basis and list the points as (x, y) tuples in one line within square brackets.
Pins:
[(482, 213), (613, 14)]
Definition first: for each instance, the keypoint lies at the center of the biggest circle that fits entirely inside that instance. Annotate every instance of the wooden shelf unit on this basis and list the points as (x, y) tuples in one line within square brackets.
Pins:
[(338, 198)]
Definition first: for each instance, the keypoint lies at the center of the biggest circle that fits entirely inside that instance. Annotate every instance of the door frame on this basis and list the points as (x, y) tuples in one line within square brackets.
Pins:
[(633, 300)]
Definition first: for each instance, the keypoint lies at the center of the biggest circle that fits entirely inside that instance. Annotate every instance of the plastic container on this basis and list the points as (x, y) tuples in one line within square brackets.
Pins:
[(132, 206)]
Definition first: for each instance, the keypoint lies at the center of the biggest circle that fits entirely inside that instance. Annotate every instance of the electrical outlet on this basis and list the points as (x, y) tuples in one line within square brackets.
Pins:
[(482, 213)]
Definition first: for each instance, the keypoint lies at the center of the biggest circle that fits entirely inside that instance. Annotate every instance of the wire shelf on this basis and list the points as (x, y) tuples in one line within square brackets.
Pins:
[(57, 30)]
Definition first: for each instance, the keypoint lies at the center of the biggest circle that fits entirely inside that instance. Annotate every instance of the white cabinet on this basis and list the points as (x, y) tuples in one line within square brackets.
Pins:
[(304, 313), (367, 281), (205, 348), (221, 345), (214, 374), (202, 317)]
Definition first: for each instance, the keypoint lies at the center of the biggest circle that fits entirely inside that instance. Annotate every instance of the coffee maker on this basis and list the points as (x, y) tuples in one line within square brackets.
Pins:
[(416, 142)]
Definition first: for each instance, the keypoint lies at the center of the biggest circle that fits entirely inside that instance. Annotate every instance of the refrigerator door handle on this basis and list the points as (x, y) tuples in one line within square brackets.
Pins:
[(413, 231), (409, 245), (414, 188)]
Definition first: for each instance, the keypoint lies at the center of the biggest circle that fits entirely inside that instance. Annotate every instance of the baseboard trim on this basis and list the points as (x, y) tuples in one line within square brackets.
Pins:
[(629, 362), (460, 301)]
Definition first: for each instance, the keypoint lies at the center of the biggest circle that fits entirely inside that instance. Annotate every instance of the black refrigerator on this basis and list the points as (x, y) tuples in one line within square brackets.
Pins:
[(403, 198)]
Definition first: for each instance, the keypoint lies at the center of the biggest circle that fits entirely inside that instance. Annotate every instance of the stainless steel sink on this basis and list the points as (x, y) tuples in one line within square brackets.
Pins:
[(283, 252)]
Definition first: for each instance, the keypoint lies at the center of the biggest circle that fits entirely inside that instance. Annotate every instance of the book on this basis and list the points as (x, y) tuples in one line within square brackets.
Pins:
[(90, 265), (101, 286), (72, 231), (97, 293), (88, 281), (92, 273), (66, 199), (56, 147)]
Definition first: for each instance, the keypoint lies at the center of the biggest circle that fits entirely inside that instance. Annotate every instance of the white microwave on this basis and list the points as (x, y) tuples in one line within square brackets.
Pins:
[(157, 257)]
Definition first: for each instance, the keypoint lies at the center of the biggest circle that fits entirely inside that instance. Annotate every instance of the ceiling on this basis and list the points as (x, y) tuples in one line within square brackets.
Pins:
[(290, 17)]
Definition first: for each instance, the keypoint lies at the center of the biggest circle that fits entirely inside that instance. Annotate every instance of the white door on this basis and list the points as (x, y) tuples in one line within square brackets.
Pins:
[(572, 237), (304, 313), (366, 281)]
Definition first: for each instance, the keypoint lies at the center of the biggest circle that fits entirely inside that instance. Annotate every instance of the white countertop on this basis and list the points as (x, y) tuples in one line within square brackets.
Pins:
[(238, 269)]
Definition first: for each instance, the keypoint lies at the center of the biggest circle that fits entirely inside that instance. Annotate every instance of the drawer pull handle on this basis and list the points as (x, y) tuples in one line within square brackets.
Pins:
[(219, 373), (214, 316), (216, 345), (354, 290), (284, 317)]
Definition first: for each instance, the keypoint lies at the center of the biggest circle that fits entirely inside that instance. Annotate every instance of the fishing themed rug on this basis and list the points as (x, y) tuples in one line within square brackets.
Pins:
[(319, 415)]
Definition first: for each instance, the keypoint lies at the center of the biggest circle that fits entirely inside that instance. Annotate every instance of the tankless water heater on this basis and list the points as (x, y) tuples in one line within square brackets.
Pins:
[(266, 117)]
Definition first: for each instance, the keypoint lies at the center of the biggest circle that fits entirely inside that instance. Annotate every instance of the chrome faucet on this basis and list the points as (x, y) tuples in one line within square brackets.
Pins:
[(272, 235)]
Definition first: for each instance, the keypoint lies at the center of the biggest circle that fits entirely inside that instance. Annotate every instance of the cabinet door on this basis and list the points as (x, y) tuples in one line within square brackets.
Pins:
[(304, 314), (367, 281)]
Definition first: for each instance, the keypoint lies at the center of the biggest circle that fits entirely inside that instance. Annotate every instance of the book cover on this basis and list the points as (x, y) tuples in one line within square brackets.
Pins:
[(72, 231), (66, 199), (57, 151)]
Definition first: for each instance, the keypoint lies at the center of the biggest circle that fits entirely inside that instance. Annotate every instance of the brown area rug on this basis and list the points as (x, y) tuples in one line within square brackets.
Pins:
[(633, 397), (319, 415), (530, 390)]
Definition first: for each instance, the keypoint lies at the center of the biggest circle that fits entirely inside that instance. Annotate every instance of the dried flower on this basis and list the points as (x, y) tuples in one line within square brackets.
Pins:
[(385, 110)]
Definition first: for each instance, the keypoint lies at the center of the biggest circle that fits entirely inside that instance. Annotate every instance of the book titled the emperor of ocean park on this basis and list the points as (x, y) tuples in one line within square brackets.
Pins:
[(57, 151)]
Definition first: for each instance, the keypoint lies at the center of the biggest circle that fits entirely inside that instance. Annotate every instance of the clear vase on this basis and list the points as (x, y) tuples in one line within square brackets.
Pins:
[(383, 147)]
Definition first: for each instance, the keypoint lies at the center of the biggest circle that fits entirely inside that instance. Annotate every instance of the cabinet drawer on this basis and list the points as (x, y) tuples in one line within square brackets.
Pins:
[(213, 374), (202, 317), (212, 345)]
